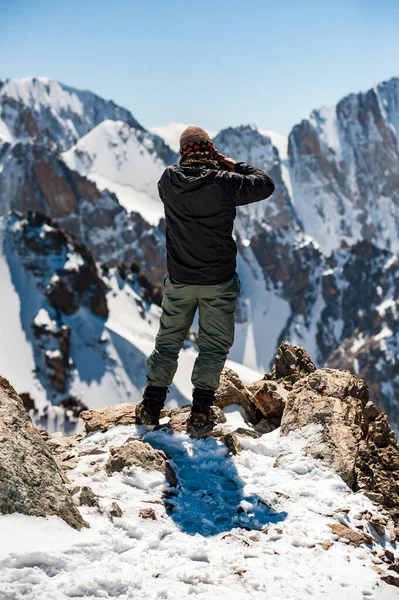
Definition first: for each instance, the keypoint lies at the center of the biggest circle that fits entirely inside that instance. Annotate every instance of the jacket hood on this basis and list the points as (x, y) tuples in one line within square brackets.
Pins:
[(190, 179)]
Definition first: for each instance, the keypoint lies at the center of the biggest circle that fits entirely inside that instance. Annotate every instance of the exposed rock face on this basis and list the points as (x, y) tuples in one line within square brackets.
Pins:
[(137, 453), (63, 267), (345, 167), (53, 346), (335, 401), (377, 466), (30, 481), (65, 274), (34, 177), (355, 439)]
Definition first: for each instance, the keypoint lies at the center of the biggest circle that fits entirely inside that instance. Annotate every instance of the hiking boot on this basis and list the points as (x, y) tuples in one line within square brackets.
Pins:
[(203, 412), (209, 419), (149, 410)]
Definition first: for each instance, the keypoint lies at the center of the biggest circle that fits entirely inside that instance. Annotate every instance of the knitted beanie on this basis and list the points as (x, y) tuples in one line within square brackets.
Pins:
[(196, 145)]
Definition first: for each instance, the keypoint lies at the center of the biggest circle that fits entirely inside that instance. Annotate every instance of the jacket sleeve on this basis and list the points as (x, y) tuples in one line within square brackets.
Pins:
[(250, 184), (161, 184)]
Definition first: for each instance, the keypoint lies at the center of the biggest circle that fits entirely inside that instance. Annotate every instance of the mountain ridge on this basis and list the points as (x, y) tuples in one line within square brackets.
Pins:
[(298, 253)]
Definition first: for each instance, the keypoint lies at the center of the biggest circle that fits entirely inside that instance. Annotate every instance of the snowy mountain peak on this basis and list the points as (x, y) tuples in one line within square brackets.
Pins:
[(49, 111), (123, 160)]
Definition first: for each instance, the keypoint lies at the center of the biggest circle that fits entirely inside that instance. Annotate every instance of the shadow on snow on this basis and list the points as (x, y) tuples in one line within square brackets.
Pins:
[(211, 497)]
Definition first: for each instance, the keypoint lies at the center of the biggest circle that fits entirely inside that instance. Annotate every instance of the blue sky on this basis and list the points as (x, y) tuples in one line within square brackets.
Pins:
[(211, 62)]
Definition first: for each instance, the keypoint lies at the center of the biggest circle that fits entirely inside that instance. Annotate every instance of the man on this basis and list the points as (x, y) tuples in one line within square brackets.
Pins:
[(200, 196)]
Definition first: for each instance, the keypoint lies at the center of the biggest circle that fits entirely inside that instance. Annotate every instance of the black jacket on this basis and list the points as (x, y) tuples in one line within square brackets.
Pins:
[(200, 208)]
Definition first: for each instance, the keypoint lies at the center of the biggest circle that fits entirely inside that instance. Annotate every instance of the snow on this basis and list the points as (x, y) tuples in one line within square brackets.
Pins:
[(279, 141), (265, 317), (121, 159), (149, 207), (44, 320), (74, 262), (199, 545), (5, 134)]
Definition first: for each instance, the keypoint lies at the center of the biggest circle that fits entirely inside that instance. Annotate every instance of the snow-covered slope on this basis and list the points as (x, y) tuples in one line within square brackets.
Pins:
[(123, 160), (244, 527)]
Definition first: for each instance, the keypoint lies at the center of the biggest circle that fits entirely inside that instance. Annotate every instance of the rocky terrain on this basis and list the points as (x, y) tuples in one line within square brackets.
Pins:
[(318, 262), (298, 478)]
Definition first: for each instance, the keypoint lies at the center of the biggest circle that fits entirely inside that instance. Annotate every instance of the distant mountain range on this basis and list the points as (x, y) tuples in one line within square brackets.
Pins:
[(318, 262)]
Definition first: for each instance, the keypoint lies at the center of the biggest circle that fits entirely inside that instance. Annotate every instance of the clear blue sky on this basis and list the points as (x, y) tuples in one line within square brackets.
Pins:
[(209, 62)]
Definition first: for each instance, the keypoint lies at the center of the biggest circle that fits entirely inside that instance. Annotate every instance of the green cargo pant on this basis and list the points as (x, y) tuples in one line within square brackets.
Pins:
[(216, 305)]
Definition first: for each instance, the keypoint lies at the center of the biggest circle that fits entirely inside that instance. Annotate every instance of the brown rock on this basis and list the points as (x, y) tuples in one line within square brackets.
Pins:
[(232, 391), (232, 442), (377, 466), (327, 545), (88, 497), (115, 510), (30, 480), (137, 453), (148, 513), (267, 425), (269, 397), (249, 433), (103, 418), (323, 398), (391, 580), (355, 537), (292, 361)]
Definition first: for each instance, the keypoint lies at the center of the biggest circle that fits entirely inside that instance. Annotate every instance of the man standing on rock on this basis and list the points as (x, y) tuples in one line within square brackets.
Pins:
[(200, 196)]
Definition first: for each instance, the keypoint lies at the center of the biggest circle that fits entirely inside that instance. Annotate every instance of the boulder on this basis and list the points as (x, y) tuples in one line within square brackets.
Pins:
[(269, 398), (231, 390), (148, 513), (137, 453), (88, 497), (30, 480), (292, 362), (355, 538), (103, 418), (115, 510)]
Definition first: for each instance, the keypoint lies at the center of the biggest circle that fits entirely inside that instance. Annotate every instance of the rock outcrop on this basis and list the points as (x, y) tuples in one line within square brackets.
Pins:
[(336, 401), (137, 453), (30, 480), (354, 438), (62, 266)]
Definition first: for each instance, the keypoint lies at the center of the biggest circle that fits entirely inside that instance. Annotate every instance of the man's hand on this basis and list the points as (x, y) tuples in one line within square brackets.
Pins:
[(229, 162)]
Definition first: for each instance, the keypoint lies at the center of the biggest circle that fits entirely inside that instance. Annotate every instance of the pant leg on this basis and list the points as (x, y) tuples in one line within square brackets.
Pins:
[(178, 309), (216, 305)]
